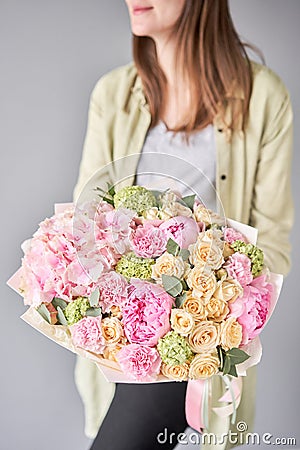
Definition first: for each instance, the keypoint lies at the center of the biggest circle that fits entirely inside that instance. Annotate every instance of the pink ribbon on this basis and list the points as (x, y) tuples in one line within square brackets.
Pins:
[(193, 404), (194, 399)]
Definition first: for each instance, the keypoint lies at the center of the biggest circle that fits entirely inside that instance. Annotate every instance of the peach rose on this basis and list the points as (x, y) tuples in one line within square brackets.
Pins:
[(168, 264), (213, 234), (204, 337), (194, 306), (203, 282), (228, 290), (181, 321), (155, 214), (204, 366), (178, 372), (206, 253), (231, 333), (112, 330), (217, 309), (110, 352), (202, 214)]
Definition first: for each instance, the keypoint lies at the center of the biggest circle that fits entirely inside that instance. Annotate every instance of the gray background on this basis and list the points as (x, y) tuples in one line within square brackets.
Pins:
[(52, 53)]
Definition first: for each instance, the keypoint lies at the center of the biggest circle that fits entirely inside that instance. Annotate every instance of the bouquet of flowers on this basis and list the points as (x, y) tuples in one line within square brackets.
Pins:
[(151, 286)]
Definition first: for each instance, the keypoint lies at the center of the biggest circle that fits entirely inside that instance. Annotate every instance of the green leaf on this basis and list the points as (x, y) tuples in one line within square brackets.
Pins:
[(94, 297), (221, 356), (61, 317), (232, 371), (237, 356), (189, 201), (108, 200), (44, 312), (184, 253), (59, 302), (172, 247), (179, 300), (93, 312), (111, 189), (172, 285), (184, 285), (226, 365)]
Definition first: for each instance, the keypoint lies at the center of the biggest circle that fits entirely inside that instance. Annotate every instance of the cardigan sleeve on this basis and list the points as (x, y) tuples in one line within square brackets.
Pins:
[(96, 157), (272, 205)]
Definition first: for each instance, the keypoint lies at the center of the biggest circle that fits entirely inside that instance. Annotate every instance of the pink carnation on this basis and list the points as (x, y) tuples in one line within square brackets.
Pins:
[(183, 230), (139, 362), (231, 235), (113, 290), (251, 310), (148, 241), (146, 315), (238, 267), (87, 334)]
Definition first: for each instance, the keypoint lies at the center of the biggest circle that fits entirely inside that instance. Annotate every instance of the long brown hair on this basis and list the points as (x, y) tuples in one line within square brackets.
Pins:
[(210, 57)]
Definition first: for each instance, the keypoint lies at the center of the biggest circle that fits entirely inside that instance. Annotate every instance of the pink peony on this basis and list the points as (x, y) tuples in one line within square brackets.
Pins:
[(113, 290), (238, 267), (251, 310), (183, 230), (139, 362), (87, 334), (231, 235), (148, 241), (146, 315)]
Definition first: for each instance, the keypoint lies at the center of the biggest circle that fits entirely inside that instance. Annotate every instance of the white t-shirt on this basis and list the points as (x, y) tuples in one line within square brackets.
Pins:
[(168, 161)]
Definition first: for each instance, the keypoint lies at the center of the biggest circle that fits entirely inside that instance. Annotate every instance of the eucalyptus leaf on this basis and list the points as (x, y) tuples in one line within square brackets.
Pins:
[(237, 356), (184, 285), (61, 317), (179, 300), (59, 302), (184, 253), (42, 309), (172, 285), (93, 312), (94, 297), (172, 247), (189, 200)]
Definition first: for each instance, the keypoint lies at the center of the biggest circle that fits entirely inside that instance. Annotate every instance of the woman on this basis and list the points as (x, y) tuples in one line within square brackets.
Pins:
[(191, 76)]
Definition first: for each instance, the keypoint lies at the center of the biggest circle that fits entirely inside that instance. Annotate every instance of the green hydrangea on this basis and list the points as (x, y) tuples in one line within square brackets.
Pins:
[(136, 198), (132, 266), (254, 253), (174, 349), (76, 310)]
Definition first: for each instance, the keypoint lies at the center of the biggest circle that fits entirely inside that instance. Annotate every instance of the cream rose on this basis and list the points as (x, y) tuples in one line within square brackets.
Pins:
[(112, 330), (204, 366), (228, 290), (203, 282), (202, 214), (195, 307), (155, 214), (231, 333), (204, 337), (181, 321), (217, 309), (206, 253), (213, 234), (168, 264), (178, 372)]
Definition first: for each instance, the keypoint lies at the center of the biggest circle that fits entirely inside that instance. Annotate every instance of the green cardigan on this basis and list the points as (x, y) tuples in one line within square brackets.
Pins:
[(252, 182)]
